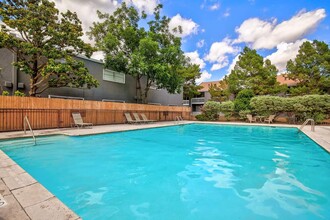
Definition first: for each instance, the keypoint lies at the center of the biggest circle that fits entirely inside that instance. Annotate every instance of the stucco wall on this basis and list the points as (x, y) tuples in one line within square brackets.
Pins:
[(7, 72)]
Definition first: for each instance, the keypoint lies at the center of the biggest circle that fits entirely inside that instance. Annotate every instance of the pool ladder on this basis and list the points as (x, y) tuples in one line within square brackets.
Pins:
[(178, 119), (27, 122), (306, 122)]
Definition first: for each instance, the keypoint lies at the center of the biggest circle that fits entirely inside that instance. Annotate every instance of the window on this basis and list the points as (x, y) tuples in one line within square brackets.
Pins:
[(113, 76)]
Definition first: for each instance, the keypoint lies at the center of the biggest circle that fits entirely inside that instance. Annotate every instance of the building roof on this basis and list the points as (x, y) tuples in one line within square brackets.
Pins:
[(206, 85), (285, 81), (280, 78)]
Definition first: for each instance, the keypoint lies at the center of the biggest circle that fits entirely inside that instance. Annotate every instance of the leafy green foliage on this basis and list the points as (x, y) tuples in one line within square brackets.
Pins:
[(268, 105), (311, 69), (242, 114), (211, 110), (190, 73), (19, 93), (252, 72), (5, 93), (152, 55), (303, 107), (45, 44), (227, 108), (219, 92), (242, 101), (201, 117)]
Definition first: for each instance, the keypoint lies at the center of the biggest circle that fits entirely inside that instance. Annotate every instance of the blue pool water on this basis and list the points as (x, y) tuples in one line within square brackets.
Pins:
[(183, 172)]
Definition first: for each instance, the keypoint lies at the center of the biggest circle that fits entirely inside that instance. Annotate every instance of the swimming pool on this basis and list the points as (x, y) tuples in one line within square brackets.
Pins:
[(193, 171)]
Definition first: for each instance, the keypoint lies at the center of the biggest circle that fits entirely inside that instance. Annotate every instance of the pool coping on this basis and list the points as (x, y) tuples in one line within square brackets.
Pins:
[(28, 199)]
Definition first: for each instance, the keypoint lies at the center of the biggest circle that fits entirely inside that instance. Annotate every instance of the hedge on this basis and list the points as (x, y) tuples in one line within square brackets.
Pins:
[(303, 107)]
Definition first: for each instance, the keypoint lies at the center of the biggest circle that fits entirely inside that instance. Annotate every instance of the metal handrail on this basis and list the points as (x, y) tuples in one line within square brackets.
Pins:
[(27, 122), (197, 100), (178, 119), (306, 122)]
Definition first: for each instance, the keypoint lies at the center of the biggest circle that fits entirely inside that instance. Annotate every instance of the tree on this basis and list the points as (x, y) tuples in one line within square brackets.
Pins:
[(153, 56), (219, 92), (190, 73), (311, 68), (242, 101), (44, 44), (252, 72)]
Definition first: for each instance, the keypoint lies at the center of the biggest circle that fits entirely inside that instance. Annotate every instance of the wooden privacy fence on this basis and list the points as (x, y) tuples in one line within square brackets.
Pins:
[(57, 113)]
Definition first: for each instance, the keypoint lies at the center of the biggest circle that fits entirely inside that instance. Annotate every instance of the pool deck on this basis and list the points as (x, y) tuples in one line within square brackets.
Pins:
[(28, 199)]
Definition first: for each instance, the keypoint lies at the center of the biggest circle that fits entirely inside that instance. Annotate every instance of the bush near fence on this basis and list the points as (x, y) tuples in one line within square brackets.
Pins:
[(56, 113), (316, 107), (303, 107)]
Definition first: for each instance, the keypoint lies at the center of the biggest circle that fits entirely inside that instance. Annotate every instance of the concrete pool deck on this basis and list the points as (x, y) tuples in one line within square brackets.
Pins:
[(28, 199)]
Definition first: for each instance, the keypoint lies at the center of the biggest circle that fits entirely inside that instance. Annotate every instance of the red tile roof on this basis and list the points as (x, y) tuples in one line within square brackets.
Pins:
[(207, 85), (280, 78), (283, 80)]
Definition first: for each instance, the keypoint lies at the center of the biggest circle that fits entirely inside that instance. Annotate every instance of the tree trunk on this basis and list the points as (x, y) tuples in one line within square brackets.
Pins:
[(145, 95), (146, 90), (138, 90), (33, 87), (34, 78)]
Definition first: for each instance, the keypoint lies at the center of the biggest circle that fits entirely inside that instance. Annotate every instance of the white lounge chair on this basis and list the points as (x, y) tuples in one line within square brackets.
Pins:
[(145, 119), (78, 121), (137, 118), (129, 119)]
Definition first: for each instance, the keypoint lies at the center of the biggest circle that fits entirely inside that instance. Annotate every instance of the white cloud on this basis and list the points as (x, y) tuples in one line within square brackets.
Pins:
[(200, 43), (204, 76), (188, 26), (232, 65), (227, 13), (219, 52), (285, 52), (195, 59), (220, 65), (86, 10), (214, 7), (98, 55), (268, 34), (147, 6)]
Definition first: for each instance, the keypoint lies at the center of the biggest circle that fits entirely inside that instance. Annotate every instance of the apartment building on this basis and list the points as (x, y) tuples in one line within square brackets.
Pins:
[(114, 86)]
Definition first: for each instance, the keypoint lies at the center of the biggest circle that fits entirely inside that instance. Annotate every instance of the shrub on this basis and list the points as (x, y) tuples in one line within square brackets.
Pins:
[(18, 93), (242, 114), (201, 117), (211, 110), (5, 93), (242, 101), (267, 105), (227, 108), (309, 106)]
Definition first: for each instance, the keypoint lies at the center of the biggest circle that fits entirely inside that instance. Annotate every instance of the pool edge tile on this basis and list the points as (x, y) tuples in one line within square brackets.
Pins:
[(17, 188)]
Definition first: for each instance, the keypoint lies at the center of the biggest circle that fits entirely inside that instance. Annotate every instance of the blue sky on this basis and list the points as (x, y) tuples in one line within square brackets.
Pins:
[(218, 20), (215, 31)]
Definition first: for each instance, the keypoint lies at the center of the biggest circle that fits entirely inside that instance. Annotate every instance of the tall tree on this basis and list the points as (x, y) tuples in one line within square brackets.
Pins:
[(219, 92), (190, 73), (311, 68), (252, 72), (154, 56), (44, 44)]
